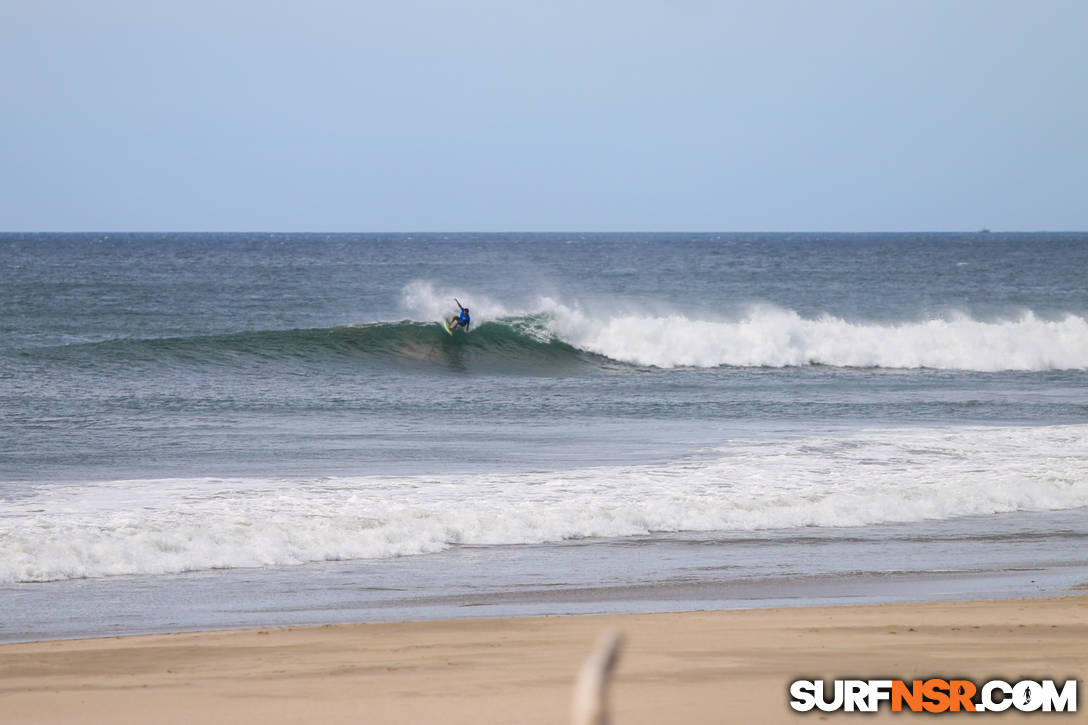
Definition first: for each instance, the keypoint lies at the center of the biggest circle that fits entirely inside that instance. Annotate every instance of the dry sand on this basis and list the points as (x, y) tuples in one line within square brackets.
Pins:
[(689, 667)]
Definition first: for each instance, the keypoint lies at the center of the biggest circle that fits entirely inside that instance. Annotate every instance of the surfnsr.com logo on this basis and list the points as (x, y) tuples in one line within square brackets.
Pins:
[(934, 695)]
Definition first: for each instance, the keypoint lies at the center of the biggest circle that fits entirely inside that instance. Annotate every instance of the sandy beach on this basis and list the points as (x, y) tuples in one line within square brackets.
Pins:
[(690, 667)]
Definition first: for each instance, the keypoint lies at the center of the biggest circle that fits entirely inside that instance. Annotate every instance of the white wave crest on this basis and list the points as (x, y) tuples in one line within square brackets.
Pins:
[(166, 526), (769, 336), (774, 337)]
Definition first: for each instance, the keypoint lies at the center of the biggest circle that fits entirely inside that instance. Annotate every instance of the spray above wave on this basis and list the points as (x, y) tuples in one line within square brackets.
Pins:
[(769, 336), (871, 477)]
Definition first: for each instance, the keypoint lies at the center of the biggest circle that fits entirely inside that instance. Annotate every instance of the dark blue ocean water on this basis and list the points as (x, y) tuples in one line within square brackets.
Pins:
[(225, 404)]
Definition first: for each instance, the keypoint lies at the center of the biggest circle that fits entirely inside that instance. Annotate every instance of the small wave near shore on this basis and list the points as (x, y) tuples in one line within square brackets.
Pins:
[(162, 526)]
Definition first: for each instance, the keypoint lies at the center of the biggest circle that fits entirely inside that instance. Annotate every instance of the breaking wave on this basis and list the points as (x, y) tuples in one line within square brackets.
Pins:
[(60, 531), (550, 337), (769, 336)]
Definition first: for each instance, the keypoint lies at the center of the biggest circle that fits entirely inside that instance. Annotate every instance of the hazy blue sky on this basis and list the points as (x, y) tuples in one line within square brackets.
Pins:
[(410, 115)]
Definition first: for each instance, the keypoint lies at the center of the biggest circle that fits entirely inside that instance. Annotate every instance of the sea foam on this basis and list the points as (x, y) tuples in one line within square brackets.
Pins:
[(65, 531)]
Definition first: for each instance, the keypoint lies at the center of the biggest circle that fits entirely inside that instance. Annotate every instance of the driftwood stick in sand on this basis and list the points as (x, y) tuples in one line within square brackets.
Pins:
[(590, 706)]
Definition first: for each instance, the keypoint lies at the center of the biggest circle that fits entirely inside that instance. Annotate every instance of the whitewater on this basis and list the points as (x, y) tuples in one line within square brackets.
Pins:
[(169, 526)]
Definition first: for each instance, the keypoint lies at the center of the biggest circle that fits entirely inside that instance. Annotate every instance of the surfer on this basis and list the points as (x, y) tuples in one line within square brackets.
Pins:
[(461, 320)]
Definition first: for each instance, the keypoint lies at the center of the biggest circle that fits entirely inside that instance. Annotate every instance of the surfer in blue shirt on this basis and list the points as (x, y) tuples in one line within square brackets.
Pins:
[(461, 320)]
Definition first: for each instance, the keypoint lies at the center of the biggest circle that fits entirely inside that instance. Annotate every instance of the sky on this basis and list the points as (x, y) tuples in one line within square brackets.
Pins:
[(549, 115)]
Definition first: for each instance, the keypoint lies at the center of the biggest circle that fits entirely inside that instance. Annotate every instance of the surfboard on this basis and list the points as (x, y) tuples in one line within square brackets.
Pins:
[(446, 326)]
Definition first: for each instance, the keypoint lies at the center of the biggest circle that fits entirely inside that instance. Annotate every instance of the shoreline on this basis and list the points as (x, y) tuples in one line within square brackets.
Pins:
[(692, 666), (634, 600)]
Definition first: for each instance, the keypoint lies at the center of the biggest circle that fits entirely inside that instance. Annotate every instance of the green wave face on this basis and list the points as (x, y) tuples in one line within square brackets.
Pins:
[(512, 346)]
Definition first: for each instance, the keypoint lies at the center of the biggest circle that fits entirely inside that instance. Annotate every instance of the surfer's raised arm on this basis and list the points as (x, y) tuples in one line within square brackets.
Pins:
[(461, 320)]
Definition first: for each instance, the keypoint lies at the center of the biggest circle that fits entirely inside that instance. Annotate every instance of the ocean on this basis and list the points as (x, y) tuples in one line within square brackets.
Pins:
[(225, 430)]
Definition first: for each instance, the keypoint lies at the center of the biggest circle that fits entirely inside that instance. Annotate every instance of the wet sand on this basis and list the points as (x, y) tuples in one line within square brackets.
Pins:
[(686, 667)]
